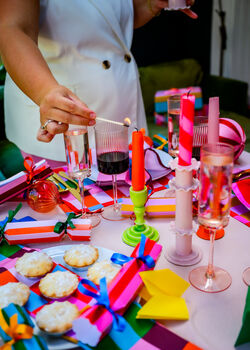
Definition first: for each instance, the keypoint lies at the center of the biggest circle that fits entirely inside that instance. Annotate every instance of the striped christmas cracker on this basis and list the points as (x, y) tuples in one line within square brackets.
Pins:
[(155, 207), (43, 231), (186, 125), (97, 321)]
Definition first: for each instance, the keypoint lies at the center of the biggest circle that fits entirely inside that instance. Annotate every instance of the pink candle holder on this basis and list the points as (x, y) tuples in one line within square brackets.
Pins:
[(184, 253)]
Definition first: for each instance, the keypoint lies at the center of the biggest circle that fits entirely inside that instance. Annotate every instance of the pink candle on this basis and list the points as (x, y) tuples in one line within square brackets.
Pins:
[(186, 125), (213, 120)]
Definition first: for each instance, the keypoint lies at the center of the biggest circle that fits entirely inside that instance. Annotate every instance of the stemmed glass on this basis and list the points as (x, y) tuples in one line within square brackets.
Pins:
[(174, 108), (246, 276), (213, 211), (112, 159), (79, 162)]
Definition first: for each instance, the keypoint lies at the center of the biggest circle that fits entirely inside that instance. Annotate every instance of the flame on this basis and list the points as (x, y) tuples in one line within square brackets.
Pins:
[(127, 122)]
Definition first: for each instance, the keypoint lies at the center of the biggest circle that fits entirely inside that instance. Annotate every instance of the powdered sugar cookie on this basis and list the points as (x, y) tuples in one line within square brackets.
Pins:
[(102, 269), (81, 256), (34, 264), (59, 284), (14, 292), (57, 317)]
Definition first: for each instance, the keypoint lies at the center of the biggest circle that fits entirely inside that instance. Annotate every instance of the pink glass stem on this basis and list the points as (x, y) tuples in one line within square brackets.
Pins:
[(210, 267), (114, 182)]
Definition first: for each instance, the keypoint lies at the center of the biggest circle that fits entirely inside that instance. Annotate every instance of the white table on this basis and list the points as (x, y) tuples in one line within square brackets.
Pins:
[(215, 319)]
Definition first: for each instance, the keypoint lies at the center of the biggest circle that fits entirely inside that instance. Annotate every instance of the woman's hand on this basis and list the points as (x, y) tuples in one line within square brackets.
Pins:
[(61, 107)]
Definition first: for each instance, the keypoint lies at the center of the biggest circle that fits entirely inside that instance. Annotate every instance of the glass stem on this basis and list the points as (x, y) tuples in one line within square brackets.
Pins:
[(210, 267), (114, 181), (81, 186)]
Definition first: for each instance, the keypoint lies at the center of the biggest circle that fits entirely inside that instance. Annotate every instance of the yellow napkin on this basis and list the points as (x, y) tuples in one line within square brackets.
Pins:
[(162, 291)]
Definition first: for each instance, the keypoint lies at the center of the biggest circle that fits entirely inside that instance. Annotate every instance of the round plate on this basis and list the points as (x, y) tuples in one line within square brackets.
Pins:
[(56, 253)]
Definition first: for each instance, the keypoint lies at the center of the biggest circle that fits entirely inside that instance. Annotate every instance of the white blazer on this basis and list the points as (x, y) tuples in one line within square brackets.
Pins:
[(86, 44)]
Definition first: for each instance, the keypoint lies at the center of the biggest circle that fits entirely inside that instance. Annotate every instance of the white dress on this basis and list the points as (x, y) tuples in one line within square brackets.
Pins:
[(86, 44)]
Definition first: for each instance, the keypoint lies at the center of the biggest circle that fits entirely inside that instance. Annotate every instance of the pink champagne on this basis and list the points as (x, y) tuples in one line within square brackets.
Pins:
[(215, 191)]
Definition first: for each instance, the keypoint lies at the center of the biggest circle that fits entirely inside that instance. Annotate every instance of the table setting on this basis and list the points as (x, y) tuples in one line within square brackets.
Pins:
[(161, 276)]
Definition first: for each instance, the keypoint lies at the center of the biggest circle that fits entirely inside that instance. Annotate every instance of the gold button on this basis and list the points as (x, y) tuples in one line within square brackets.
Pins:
[(106, 64), (127, 58)]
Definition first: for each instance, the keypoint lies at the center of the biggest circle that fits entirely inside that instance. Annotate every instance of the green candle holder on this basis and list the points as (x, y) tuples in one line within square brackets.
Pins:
[(132, 235)]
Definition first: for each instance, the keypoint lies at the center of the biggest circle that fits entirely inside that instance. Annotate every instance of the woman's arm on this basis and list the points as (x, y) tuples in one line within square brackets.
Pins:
[(145, 10), (24, 62)]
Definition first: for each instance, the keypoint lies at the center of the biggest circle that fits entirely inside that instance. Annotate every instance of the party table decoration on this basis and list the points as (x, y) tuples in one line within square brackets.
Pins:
[(244, 335), (96, 319), (163, 294), (138, 194), (161, 97), (9, 218), (232, 133), (184, 254), (160, 142), (142, 334), (16, 330), (23, 180), (48, 230), (154, 207)]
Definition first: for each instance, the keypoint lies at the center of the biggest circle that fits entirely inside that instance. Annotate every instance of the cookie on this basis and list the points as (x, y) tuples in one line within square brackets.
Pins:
[(59, 284), (102, 269), (35, 264), (57, 317), (14, 292), (81, 255)]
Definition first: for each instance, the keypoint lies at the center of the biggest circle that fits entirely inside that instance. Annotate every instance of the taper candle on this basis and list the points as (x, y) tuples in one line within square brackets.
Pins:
[(186, 126), (138, 172), (213, 120)]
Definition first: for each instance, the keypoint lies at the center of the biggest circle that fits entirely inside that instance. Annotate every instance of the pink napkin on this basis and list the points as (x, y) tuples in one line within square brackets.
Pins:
[(242, 191)]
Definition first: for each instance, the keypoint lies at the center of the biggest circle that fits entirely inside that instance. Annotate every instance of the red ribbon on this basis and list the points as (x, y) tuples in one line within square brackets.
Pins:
[(30, 169)]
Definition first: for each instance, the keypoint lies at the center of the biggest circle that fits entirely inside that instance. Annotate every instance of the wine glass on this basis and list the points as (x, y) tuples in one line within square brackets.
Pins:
[(213, 211), (79, 162), (112, 159), (246, 276)]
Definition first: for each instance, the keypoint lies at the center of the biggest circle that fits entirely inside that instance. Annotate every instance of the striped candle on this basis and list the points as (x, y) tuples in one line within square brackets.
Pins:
[(186, 125)]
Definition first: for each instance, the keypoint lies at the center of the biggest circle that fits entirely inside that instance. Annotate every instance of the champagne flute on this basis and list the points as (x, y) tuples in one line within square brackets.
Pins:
[(79, 162), (213, 211), (112, 159)]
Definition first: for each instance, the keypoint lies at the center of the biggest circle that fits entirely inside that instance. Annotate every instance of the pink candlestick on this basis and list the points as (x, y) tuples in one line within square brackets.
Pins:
[(213, 120), (186, 129)]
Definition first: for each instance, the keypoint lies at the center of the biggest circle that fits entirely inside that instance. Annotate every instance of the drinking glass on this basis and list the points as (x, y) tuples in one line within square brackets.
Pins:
[(174, 106), (112, 159), (246, 276), (79, 162), (213, 211)]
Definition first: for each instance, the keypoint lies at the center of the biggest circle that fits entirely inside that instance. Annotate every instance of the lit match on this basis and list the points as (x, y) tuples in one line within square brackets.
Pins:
[(126, 121)]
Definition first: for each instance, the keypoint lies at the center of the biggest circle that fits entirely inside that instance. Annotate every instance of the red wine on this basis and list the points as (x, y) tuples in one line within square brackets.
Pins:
[(112, 163)]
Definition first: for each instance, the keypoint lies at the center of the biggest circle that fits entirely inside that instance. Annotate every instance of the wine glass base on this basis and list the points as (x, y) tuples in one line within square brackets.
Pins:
[(183, 260), (111, 214), (246, 276), (94, 219), (220, 282)]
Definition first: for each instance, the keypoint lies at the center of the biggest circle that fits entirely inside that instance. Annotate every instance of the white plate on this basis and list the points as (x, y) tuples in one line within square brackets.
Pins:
[(56, 253)]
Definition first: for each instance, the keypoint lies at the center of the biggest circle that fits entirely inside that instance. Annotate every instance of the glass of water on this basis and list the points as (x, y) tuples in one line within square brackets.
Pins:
[(78, 160), (174, 107)]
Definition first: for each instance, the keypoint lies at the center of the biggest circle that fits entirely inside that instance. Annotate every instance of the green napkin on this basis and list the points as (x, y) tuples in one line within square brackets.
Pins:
[(244, 335)]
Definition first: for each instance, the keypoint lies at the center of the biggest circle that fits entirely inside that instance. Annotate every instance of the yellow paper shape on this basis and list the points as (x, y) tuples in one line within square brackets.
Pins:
[(163, 292)]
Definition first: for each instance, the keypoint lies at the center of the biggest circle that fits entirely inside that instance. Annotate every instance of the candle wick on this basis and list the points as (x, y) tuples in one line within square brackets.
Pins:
[(136, 129), (188, 92)]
